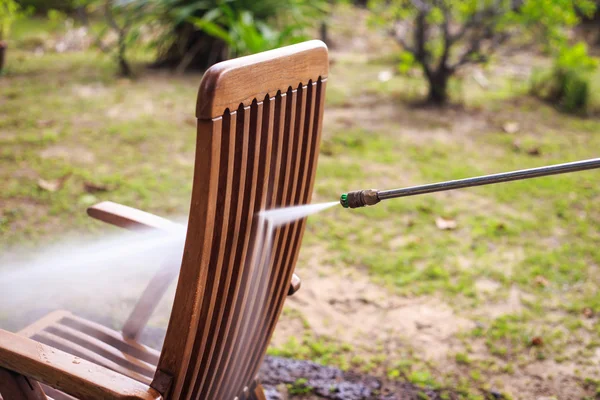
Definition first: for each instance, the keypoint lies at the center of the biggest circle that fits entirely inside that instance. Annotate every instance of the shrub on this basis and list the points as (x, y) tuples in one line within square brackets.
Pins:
[(202, 32), (567, 84)]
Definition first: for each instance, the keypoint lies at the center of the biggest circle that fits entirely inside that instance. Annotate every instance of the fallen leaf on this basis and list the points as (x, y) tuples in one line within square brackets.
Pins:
[(511, 127), (54, 184), (445, 224), (541, 281), (91, 187), (45, 123), (588, 312), (532, 151), (537, 341)]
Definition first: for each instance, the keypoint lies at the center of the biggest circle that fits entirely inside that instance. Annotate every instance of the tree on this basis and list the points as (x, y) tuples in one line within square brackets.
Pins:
[(442, 36), (123, 19)]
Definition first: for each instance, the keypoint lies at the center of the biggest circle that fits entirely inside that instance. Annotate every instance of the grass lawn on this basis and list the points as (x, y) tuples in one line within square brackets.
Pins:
[(506, 301)]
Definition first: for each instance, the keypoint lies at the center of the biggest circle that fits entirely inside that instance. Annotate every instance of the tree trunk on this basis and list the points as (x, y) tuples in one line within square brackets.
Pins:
[(191, 50), (2, 54), (124, 68), (438, 88)]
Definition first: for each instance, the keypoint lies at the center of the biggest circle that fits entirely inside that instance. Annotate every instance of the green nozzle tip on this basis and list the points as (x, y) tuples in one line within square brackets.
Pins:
[(344, 200)]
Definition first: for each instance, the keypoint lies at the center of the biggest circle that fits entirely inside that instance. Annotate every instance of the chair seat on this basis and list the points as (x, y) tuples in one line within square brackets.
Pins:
[(95, 343)]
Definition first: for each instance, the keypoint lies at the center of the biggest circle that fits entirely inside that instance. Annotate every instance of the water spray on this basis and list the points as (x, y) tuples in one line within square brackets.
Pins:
[(369, 197)]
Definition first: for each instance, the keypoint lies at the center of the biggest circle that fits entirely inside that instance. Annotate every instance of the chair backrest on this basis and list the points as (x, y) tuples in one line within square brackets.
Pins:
[(259, 127)]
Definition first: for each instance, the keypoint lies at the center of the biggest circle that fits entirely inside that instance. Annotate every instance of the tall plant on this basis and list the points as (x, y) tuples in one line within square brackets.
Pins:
[(125, 20), (443, 36), (202, 32), (10, 11)]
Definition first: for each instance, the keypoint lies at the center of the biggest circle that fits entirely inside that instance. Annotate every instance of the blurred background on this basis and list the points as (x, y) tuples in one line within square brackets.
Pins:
[(488, 292)]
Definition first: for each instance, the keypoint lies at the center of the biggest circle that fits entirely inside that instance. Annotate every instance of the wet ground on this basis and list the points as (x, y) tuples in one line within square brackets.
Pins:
[(285, 378)]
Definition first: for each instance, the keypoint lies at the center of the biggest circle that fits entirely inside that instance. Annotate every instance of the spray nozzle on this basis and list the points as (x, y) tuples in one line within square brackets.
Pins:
[(359, 198)]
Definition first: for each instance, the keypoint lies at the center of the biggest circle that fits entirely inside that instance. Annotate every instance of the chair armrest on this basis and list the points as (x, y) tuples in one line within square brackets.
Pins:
[(129, 217), (294, 285), (134, 219), (66, 372)]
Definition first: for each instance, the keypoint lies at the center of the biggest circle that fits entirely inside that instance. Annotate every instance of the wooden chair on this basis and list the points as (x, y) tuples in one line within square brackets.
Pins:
[(259, 124)]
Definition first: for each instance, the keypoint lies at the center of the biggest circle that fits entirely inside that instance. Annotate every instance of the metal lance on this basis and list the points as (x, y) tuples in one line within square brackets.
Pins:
[(369, 197)]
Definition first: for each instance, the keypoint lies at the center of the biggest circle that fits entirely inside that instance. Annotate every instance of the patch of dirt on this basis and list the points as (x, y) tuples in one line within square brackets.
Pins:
[(511, 305), (78, 154), (88, 91), (348, 306)]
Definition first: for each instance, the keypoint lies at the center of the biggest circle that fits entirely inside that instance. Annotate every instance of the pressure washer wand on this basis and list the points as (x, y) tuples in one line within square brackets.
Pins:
[(369, 197)]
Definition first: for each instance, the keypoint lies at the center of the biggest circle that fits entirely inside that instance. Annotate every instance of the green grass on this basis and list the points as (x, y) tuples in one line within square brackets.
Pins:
[(67, 115)]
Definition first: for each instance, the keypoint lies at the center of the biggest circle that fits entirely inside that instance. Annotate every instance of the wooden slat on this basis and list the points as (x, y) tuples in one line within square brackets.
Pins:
[(297, 113), (231, 231), (248, 229), (43, 322), (74, 349), (262, 147), (184, 321), (303, 135), (112, 338), (70, 374), (223, 208), (266, 330), (102, 349), (237, 242), (289, 136), (256, 280)]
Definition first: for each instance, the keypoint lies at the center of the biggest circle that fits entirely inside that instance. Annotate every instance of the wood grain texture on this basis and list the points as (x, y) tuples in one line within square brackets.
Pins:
[(66, 372), (244, 79), (129, 217), (257, 149)]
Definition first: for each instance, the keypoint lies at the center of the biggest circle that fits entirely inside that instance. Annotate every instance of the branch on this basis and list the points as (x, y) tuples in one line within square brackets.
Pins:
[(476, 21), (110, 18), (402, 42), (446, 33), (421, 53), (474, 49)]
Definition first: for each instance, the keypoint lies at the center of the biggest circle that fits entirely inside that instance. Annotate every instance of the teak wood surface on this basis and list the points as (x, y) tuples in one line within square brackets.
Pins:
[(259, 128)]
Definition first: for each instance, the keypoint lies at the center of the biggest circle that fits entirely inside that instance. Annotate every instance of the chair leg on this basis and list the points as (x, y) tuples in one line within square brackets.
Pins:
[(18, 387), (258, 393)]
